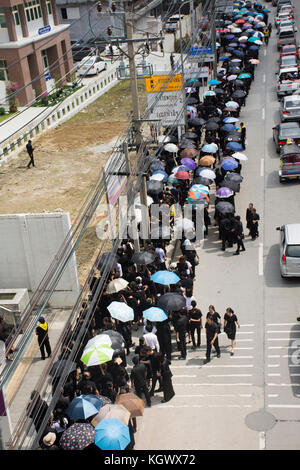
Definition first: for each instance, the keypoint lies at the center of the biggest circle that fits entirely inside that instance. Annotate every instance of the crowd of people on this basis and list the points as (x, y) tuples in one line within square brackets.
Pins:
[(214, 144)]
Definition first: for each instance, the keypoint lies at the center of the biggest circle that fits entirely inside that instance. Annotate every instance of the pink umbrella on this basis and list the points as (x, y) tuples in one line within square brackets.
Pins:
[(182, 175)]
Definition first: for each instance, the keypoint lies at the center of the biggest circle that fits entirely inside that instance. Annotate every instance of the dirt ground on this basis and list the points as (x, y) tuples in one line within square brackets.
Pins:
[(68, 161)]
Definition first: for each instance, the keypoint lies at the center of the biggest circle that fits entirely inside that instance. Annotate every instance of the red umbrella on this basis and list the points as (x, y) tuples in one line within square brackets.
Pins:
[(182, 175), (240, 21)]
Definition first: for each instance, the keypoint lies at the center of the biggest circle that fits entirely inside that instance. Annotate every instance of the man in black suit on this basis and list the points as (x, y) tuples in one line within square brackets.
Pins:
[(30, 153), (239, 235)]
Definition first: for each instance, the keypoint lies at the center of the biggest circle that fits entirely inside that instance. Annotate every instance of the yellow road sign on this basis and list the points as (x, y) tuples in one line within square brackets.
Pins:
[(163, 83)]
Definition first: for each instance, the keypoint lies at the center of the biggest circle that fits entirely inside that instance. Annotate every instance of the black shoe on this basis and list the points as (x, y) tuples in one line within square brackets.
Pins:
[(43, 358), (158, 390), (218, 355), (149, 405), (181, 357), (206, 361), (163, 401), (236, 253), (151, 394), (243, 249)]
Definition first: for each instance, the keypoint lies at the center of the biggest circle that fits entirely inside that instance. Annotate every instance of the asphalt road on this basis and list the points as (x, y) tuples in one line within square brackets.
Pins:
[(214, 403)]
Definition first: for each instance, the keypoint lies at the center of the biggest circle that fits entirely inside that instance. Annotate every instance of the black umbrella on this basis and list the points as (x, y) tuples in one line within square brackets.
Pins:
[(188, 145), (211, 126), (143, 257), (202, 180), (171, 302), (115, 339), (189, 135), (238, 94), (154, 187), (239, 82), (197, 122), (214, 119), (225, 207), (191, 100), (231, 185), (219, 91), (236, 177)]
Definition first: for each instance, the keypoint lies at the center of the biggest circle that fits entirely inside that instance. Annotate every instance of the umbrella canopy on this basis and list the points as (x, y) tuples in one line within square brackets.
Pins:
[(207, 173), (180, 168), (238, 94), (187, 144), (80, 408), (163, 139), (230, 120), (197, 122), (240, 156), (112, 434), (200, 187), (155, 314), (189, 153), (172, 179), (182, 175), (211, 126), (157, 166), (210, 148), (110, 337), (111, 411), (230, 78), (143, 257), (77, 437), (202, 180), (132, 403), (94, 399), (154, 187), (229, 164), (232, 104), (189, 163), (213, 82), (244, 75), (165, 277), (121, 311), (191, 100), (225, 207), (233, 177), (97, 354), (189, 135), (116, 285), (209, 93), (137, 201), (207, 160), (171, 148), (197, 197), (171, 302), (159, 176), (234, 146), (224, 192), (227, 128)]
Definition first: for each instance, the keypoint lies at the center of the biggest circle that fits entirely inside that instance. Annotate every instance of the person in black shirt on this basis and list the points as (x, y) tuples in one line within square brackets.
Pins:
[(239, 235), (215, 316), (138, 379), (186, 282), (254, 224), (195, 324), (182, 325), (211, 338), (30, 153)]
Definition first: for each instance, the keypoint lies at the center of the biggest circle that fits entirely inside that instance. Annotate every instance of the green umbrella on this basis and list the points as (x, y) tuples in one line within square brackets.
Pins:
[(97, 354)]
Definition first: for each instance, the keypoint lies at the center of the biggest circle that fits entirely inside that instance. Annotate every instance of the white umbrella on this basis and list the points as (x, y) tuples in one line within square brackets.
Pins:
[(116, 285), (232, 104), (184, 224), (231, 120), (231, 77), (239, 156), (172, 148), (236, 30), (243, 39), (137, 201), (163, 139), (157, 177), (121, 311), (207, 173)]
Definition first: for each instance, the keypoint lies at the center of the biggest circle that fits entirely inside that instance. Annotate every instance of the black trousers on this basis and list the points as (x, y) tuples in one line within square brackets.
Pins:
[(194, 328), (240, 245), (182, 345), (155, 378), (31, 162), (45, 344), (208, 347), (144, 390)]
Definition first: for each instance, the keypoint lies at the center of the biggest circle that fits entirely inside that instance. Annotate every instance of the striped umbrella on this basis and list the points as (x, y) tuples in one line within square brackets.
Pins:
[(97, 354)]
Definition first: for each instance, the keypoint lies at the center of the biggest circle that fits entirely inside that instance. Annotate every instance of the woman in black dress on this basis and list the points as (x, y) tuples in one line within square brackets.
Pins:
[(230, 323), (166, 376)]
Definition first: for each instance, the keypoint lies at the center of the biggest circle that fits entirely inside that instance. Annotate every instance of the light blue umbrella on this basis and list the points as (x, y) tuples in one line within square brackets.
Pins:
[(112, 434), (209, 93), (155, 314), (213, 82), (80, 408), (210, 148), (244, 75), (121, 311), (230, 119), (224, 58), (252, 39), (94, 400), (165, 277)]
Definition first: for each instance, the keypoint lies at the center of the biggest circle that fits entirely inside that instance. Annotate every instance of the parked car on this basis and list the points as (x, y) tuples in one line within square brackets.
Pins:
[(287, 81), (287, 9), (290, 108), (286, 131), (170, 27), (286, 23), (289, 246), (282, 17), (290, 49), (289, 168), (286, 36), (92, 66), (81, 49), (280, 3)]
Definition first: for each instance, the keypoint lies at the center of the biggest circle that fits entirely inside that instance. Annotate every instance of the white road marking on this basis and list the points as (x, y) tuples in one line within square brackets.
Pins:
[(283, 347), (278, 339), (284, 406), (273, 365), (211, 384), (265, 52), (231, 375), (262, 167), (240, 340), (184, 376), (283, 385), (283, 331), (274, 375), (264, 78), (260, 260), (263, 114), (239, 349), (262, 440), (244, 333), (280, 324), (201, 395), (233, 365), (273, 395), (250, 324)]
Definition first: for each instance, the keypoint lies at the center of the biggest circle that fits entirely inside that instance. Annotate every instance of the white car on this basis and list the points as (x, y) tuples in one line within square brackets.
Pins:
[(288, 61), (284, 16), (92, 65), (286, 24)]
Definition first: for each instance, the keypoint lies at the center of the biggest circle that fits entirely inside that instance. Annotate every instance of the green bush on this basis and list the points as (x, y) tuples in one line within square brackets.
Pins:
[(2, 111)]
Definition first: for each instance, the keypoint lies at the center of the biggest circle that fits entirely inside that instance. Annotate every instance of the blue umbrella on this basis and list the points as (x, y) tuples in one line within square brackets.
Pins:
[(209, 148), (157, 166), (252, 39), (213, 82), (165, 277), (112, 434), (234, 146), (227, 128), (229, 36), (80, 408), (244, 75), (238, 53), (161, 172), (94, 400), (253, 48), (229, 164), (224, 58), (155, 314)]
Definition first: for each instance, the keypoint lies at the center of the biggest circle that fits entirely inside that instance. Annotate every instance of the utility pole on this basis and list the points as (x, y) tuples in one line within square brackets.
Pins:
[(214, 34)]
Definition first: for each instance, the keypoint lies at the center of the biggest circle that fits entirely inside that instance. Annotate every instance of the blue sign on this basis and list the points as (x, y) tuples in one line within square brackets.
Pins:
[(44, 29), (47, 77), (198, 51)]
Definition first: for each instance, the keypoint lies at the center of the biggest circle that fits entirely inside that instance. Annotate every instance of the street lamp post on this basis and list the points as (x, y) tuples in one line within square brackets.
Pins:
[(181, 52)]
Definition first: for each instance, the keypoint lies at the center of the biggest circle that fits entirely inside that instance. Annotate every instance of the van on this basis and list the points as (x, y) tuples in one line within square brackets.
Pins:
[(286, 36), (289, 250)]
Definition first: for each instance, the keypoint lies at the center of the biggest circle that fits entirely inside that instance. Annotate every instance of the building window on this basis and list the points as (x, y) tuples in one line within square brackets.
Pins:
[(2, 18), (16, 15), (49, 7), (64, 14), (45, 59), (33, 10), (3, 70)]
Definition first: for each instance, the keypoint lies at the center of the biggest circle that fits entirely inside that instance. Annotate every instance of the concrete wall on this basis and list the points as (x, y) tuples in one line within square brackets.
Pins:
[(28, 245)]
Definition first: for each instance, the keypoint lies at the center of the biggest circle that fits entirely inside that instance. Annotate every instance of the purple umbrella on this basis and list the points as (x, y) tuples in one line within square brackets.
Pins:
[(224, 192), (189, 163), (229, 36)]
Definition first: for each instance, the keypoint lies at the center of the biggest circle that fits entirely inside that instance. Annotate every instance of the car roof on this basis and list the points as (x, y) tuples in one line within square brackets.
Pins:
[(289, 56), (288, 46), (289, 69), (292, 232), (292, 97), (289, 124)]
